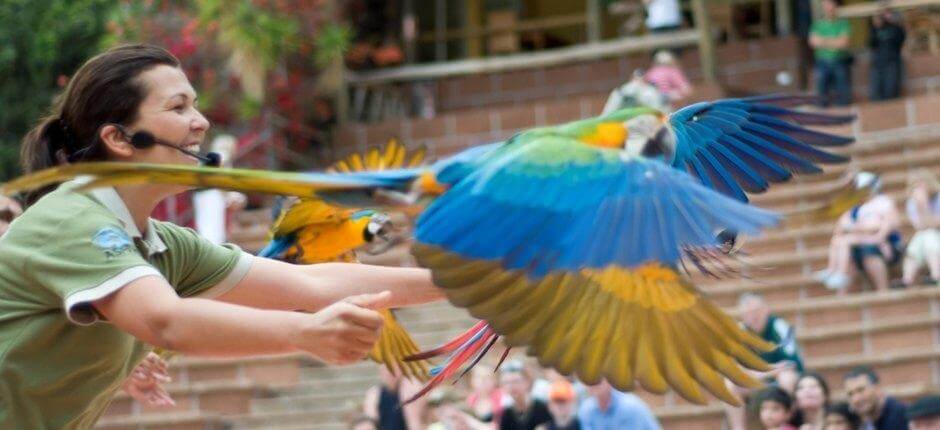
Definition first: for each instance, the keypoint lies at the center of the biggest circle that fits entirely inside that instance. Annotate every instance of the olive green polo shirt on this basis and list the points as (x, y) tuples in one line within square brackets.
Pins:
[(59, 365)]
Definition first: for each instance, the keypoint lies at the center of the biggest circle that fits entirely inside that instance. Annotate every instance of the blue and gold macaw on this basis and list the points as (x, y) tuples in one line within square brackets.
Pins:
[(568, 240), (310, 230)]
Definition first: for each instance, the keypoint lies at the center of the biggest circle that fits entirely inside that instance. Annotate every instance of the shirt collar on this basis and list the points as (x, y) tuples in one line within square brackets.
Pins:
[(111, 200)]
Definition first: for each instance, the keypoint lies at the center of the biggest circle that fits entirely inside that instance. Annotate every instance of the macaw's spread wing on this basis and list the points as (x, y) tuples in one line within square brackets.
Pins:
[(261, 181), (644, 325), (394, 345), (742, 145), (393, 156), (569, 249)]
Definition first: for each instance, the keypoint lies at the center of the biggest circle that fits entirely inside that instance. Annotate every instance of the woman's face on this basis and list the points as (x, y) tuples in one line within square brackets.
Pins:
[(169, 112), (809, 393)]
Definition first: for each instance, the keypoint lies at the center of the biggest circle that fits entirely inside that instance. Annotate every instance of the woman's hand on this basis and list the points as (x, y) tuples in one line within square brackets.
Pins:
[(146, 382), (345, 331)]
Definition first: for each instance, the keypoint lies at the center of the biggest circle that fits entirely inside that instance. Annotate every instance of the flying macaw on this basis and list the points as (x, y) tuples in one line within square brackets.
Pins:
[(310, 230), (568, 240)]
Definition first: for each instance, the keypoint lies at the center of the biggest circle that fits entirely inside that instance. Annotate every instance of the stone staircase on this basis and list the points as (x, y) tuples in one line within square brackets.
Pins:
[(898, 333)]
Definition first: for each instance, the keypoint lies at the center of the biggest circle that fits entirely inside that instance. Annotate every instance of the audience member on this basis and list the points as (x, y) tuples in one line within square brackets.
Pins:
[(788, 363), (877, 410), (485, 399), (667, 77), (610, 409), (829, 38), (445, 414), (811, 397), (774, 408), (636, 92), (866, 238), (526, 412), (9, 209), (840, 417), (886, 37), (383, 402), (662, 15), (562, 405), (924, 414), (923, 210), (363, 422), (802, 13)]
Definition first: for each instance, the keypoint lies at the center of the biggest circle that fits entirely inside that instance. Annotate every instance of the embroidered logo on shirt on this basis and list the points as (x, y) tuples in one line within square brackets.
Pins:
[(112, 240)]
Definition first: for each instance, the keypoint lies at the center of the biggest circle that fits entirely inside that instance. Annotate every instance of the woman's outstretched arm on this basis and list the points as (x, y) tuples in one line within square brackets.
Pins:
[(272, 284)]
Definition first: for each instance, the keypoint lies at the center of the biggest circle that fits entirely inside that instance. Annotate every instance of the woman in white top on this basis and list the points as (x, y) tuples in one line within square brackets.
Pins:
[(923, 209)]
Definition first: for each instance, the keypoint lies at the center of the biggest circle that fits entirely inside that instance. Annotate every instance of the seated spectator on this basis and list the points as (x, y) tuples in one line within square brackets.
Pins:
[(886, 38), (774, 408), (840, 417), (829, 38), (363, 422), (562, 405), (866, 238), (610, 409), (811, 398), (924, 414), (923, 209), (756, 317), (383, 402), (526, 412), (636, 92), (9, 209), (877, 410), (667, 77), (485, 399)]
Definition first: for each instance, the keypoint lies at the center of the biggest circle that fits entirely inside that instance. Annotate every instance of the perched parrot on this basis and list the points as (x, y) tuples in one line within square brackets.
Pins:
[(568, 240), (309, 230)]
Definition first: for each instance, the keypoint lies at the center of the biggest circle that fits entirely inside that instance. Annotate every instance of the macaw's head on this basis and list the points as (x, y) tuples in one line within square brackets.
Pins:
[(636, 131), (374, 224)]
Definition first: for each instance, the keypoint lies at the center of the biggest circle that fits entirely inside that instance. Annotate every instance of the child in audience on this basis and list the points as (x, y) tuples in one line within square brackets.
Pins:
[(774, 407)]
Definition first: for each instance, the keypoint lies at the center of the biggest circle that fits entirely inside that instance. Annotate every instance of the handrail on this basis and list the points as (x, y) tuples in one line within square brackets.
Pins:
[(555, 57), (870, 8)]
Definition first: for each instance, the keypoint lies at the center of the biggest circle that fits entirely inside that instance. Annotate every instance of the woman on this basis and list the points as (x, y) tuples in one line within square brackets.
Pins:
[(73, 259), (812, 396), (923, 209)]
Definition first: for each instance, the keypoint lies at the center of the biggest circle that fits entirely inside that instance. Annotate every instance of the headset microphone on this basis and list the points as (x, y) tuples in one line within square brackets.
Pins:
[(145, 139)]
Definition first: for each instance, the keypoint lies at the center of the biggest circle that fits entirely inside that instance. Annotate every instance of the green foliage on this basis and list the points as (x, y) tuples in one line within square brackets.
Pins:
[(242, 25), (331, 44), (41, 43)]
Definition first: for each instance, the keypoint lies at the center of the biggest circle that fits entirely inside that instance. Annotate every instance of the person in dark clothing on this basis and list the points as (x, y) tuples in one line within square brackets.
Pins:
[(383, 402), (924, 414), (802, 13), (885, 39), (877, 410), (526, 412)]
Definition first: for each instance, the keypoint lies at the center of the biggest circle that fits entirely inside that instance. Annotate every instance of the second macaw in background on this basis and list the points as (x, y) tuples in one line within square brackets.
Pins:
[(309, 230)]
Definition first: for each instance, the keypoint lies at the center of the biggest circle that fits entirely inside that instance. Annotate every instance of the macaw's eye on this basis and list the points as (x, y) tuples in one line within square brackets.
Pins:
[(661, 146)]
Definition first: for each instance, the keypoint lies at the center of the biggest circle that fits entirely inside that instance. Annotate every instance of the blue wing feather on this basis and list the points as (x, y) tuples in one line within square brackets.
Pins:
[(582, 211), (740, 145)]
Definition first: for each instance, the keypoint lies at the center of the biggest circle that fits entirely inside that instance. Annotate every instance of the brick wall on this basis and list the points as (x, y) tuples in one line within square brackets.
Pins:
[(492, 107)]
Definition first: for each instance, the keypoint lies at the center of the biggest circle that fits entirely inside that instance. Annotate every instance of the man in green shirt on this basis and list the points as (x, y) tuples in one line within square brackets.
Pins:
[(829, 38)]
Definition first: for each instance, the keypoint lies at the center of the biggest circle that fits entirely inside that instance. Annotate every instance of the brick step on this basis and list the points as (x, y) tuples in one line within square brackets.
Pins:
[(272, 370), (227, 397), (165, 421)]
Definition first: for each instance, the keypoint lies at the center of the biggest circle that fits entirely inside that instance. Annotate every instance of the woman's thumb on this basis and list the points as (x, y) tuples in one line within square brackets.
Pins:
[(372, 301)]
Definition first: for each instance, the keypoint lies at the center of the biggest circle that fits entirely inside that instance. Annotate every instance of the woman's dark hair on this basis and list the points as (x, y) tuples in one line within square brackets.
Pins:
[(106, 89), (798, 419)]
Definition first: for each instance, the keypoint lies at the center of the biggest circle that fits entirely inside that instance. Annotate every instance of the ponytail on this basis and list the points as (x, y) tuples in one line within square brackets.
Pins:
[(104, 90)]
